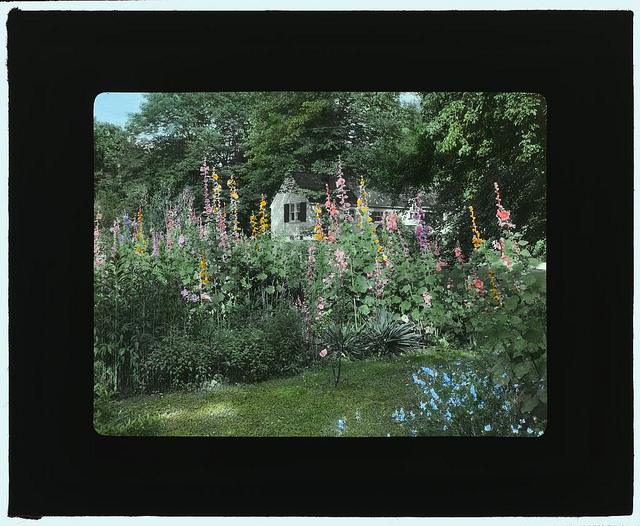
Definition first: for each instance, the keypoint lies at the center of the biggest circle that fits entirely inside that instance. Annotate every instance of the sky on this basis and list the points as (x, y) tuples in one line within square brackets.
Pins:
[(115, 107)]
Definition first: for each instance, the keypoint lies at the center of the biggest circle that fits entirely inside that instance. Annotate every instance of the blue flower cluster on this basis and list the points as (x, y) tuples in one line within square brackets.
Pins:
[(462, 402)]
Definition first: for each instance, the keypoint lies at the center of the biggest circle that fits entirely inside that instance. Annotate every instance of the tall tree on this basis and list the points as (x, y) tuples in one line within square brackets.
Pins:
[(471, 140)]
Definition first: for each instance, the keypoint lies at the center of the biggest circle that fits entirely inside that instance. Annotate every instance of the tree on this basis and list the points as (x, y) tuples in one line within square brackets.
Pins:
[(470, 140)]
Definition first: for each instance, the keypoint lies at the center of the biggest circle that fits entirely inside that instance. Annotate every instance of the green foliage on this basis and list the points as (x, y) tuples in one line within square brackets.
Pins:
[(108, 420), (273, 345), (178, 362), (388, 336)]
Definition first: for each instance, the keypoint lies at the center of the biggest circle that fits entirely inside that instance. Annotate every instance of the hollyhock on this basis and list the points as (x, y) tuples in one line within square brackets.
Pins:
[(342, 195), (169, 228), (426, 297), (458, 252), (323, 353), (502, 214), (204, 170), (319, 308), (505, 258), (477, 240), (155, 245)]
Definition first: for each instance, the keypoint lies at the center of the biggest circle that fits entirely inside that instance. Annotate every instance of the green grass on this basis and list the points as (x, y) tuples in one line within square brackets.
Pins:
[(303, 405)]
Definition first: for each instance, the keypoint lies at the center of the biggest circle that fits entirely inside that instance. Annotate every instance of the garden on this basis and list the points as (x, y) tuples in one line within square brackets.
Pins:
[(205, 328)]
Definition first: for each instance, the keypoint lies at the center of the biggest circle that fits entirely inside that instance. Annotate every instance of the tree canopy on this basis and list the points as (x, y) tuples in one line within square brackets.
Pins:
[(456, 144)]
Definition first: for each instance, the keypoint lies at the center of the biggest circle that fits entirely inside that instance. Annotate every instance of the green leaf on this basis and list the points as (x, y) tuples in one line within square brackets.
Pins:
[(217, 298), (270, 289), (415, 314), (261, 277), (228, 287), (520, 369), (511, 303), (405, 306), (361, 284), (534, 262), (530, 404), (364, 309)]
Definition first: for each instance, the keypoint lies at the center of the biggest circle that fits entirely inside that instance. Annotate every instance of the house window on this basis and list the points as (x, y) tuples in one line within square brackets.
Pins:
[(376, 216), (295, 212)]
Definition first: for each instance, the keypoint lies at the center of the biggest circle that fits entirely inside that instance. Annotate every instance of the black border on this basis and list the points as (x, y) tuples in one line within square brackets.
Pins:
[(581, 61)]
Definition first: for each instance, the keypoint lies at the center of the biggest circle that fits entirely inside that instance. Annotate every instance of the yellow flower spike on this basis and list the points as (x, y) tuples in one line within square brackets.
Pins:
[(205, 282), (359, 202), (138, 250), (369, 219)]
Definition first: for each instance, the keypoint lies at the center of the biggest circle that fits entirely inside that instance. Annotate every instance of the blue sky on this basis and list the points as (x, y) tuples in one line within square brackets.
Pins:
[(114, 107)]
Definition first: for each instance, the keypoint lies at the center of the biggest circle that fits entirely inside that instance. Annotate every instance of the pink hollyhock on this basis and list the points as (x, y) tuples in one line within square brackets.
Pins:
[(206, 297), (323, 353), (426, 297), (503, 214), (478, 284)]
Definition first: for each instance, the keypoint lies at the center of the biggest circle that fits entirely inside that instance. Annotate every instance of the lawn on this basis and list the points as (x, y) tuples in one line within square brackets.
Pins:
[(303, 405)]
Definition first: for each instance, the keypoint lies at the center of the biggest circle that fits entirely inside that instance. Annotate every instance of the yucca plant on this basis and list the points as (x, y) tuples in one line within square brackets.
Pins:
[(341, 341), (388, 336)]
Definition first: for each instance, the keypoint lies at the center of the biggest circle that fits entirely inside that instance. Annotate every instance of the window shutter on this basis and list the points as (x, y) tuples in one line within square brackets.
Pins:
[(303, 212), (286, 213)]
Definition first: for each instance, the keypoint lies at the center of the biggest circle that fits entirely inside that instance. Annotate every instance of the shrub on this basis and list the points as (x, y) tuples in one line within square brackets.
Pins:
[(178, 362), (273, 345)]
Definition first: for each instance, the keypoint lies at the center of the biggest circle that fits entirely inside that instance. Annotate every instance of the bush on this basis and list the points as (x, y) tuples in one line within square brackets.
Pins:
[(272, 346), (178, 362)]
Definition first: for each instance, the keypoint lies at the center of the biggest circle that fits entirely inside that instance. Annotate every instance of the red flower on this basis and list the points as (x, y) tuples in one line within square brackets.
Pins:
[(478, 283), (503, 214)]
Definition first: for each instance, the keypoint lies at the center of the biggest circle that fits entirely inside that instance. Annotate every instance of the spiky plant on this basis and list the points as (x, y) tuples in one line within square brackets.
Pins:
[(342, 341), (388, 336)]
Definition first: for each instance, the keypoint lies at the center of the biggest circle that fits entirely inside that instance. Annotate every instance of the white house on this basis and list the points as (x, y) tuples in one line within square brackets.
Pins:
[(293, 207)]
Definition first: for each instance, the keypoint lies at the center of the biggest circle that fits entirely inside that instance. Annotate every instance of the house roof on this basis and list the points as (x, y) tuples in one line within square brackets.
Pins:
[(316, 183), (311, 181)]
